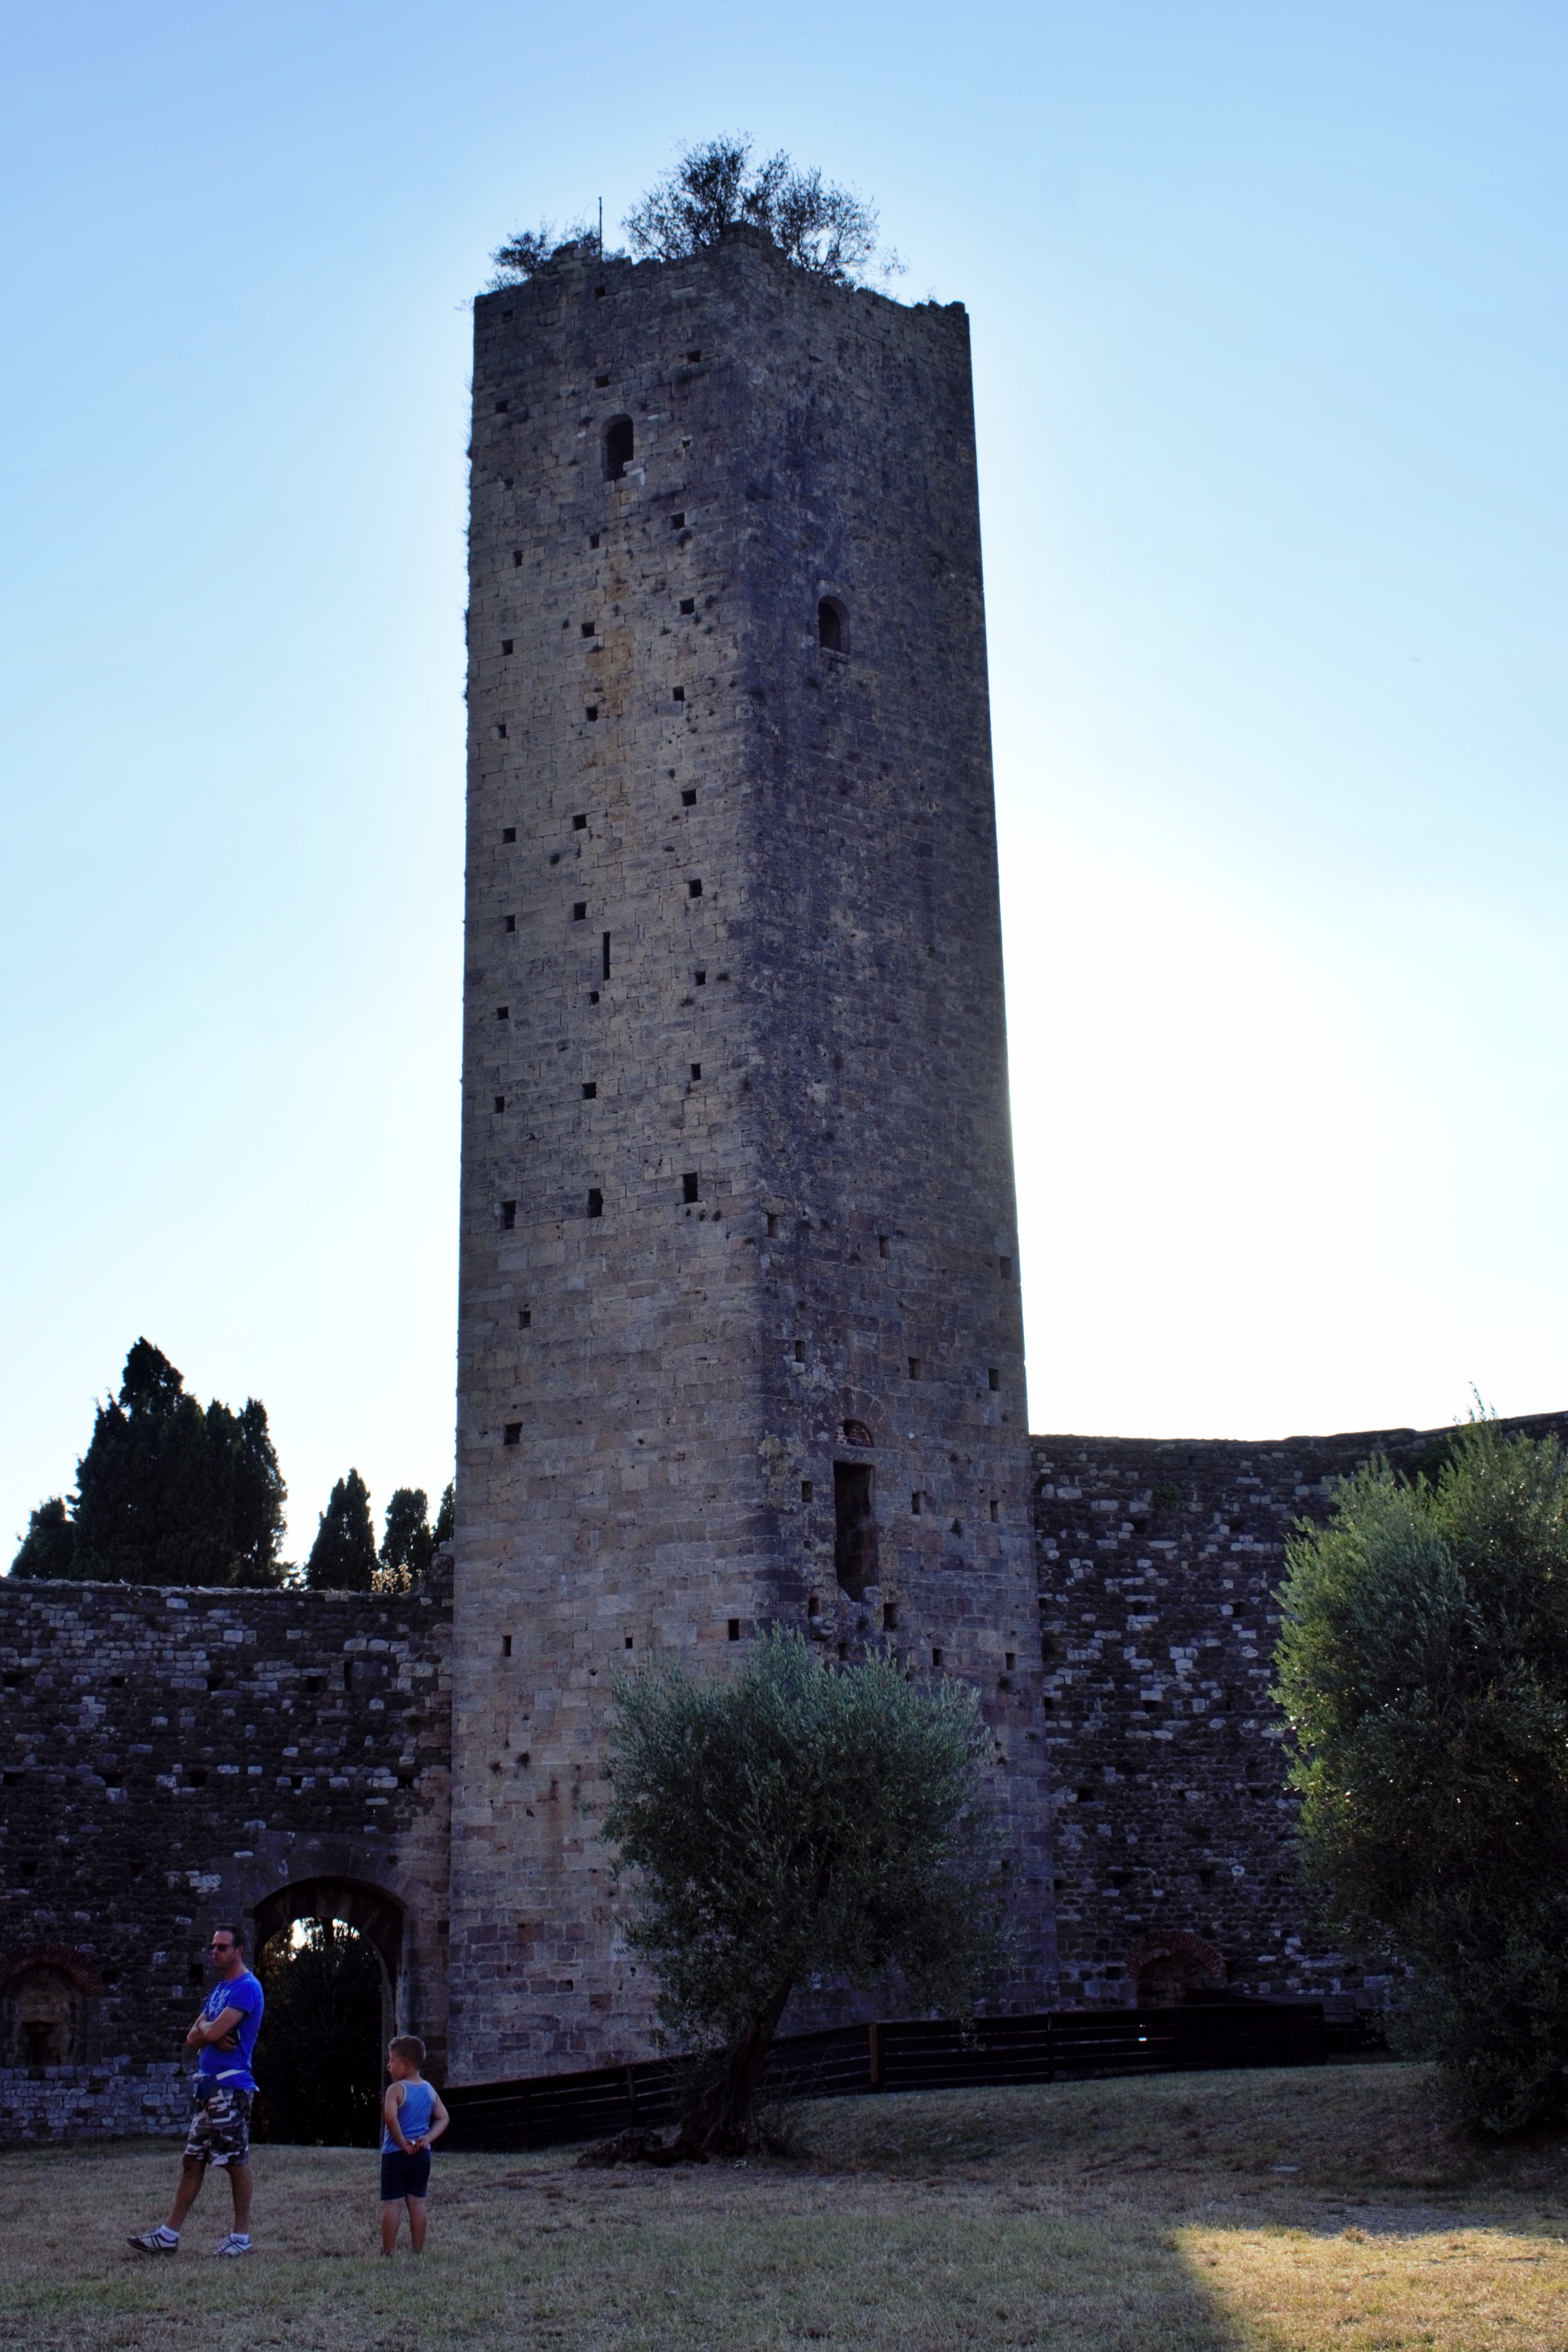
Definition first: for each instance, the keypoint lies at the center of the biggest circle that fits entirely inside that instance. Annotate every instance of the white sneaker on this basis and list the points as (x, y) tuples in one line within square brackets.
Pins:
[(233, 2244), (152, 2242)]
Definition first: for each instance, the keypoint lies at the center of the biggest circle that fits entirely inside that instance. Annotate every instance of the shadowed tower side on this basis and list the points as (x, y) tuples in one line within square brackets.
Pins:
[(739, 1336)]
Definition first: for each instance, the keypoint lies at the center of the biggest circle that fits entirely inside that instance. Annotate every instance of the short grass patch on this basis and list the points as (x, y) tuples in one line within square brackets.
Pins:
[(1247, 2212)]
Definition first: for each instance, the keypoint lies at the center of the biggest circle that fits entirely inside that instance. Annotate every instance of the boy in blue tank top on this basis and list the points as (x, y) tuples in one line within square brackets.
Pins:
[(415, 2117)]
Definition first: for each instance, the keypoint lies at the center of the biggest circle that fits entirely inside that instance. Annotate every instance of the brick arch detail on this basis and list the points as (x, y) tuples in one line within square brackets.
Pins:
[(73, 1965), (376, 1914), (1180, 1947)]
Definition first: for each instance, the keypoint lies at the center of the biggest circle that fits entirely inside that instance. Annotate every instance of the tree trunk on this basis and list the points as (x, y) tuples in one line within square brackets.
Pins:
[(723, 2122)]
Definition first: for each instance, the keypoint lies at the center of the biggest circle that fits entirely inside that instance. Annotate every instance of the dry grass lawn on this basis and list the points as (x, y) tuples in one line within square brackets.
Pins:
[(1286, 2211)]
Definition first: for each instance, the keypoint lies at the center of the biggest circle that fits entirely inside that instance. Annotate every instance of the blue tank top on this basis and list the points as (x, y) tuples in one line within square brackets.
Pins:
[(413, 2115)]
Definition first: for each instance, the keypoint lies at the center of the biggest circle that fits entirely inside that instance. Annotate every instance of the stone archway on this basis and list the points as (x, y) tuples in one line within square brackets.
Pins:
[(1166, 1968), (377, 1916)]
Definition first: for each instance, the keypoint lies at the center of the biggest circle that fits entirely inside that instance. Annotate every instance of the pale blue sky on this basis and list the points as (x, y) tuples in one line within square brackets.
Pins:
[(1269, 333)]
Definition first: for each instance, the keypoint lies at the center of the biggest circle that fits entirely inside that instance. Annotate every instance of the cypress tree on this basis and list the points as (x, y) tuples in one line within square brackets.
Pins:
[(342, 1557)]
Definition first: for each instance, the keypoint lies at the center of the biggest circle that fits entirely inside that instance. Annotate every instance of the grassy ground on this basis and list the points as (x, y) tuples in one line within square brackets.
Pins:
[(1284, 2211)]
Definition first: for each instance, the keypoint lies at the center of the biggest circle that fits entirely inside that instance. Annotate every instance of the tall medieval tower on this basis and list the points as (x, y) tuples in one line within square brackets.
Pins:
[(740, 1341)]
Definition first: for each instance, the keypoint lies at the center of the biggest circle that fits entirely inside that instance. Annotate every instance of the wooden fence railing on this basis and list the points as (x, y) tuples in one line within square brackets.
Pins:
[(552, 2110)]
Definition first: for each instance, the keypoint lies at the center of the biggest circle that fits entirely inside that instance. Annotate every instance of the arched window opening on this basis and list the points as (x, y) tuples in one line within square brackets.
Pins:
[(619, 443), (832, 626)]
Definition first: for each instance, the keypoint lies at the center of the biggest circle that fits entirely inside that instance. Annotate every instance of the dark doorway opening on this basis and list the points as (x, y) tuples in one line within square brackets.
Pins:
[(329, 1952), (854, 1528)]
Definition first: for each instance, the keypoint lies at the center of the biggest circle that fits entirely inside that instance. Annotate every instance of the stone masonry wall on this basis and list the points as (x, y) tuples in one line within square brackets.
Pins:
[(1158, 1559), (738, 1214), (170, 1758)]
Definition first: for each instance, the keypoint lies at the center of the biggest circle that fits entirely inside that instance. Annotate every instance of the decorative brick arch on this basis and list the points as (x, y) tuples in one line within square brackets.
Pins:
[(1165, 1968), (44, 2006)]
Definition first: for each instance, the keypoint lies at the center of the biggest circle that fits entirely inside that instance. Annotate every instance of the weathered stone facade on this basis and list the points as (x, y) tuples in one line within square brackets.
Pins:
[(739, 1296), (1158, 1561), (171, 1759)]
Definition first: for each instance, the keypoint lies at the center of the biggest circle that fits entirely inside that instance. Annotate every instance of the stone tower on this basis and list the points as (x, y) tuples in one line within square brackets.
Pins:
[(739, 1336)]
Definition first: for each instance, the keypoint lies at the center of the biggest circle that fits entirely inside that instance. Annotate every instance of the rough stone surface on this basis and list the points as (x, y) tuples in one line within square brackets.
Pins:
[(171, 1759), (1158, 1561), (737, 1185)]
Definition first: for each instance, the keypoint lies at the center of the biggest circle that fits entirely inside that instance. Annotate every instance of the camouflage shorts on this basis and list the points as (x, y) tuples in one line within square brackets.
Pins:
[(220, 2125)]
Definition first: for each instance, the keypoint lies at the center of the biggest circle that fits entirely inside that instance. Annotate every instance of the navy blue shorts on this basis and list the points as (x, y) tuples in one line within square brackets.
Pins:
[(403, 2176)]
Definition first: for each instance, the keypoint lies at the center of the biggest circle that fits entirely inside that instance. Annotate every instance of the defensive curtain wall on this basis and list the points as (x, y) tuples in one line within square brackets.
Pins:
[(172, 1758)]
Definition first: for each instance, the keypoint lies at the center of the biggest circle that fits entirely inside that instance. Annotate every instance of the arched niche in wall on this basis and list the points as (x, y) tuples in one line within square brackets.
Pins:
[(1165, 1968), (46, 2002)]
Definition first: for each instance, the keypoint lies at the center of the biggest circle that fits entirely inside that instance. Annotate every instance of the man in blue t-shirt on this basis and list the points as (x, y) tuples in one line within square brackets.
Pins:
[(225, 2035)]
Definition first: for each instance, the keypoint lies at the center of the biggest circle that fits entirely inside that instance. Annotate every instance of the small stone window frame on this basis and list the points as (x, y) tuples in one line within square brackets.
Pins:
[(833, 625), (620, 447)]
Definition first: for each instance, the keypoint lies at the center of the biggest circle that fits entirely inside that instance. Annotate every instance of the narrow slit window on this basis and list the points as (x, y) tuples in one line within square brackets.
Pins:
[(500, 1102), (889, 1616), (996, 1509), (688, 1191), (604, 957), (506, 1645), (914, 1368), (832, 626), (506, 645), (510, 923), (854, 1528), (620, 445), (807, 1490), (881, 1245), (772, 1226), (596, 1202), (800, 1351), (936, 1657), (697, 1069), (517, 559), (993, 1378), (915, 1504), (734, 1629), (524, 1319), (814, 1606), (508, 1216)]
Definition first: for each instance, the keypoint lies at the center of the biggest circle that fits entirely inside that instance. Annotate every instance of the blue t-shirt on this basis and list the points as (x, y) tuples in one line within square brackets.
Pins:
[(232, 2067), (413, 2114)]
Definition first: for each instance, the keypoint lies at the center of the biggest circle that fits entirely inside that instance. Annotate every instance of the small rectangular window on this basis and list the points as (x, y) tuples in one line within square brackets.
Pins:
[(693, 357), (1004, 1268), (936, 1657), (509, 832), (524, 1318), (501, 407), (694, 888), (814, 1606), (506, 1645), (601, 381), (688, 603), (800, 1351), (806, 1490), (590, 1090), (881, 1245), (500, 1102), (993, 1378), (508, 1215), (517, 559), (1007, 1659), (697, 1069), (734, 1629), (506, 645), (580, 910), (914, 1368), (605, 961), (915, 1504), (579, 825), (995, 1510), (510, 923), (590, 629), (854, 1528), (348, 1682), (689, 1185), (773, 1230), (688, 799), (679, 694), (595, 1203), (590, 710), (889, 1616), (503, 1012), (677, 522), (512, 1433), (629, 1643), (701, 978), (593, 539), (500, 732)]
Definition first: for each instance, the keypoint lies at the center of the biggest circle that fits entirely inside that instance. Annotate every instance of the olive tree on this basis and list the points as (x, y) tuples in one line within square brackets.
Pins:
[(802, 1821), (1423, 1668)]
